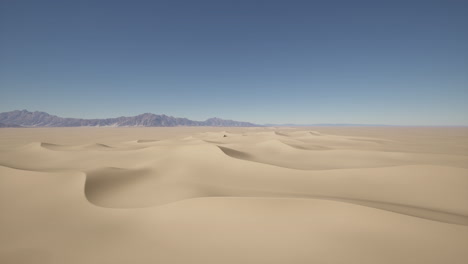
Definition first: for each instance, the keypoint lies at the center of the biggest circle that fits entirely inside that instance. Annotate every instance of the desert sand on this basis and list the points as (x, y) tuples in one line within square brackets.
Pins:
[(234, 195)]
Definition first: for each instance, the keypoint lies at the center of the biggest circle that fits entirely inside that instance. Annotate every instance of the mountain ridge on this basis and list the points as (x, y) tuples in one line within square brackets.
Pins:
[(25, 118)]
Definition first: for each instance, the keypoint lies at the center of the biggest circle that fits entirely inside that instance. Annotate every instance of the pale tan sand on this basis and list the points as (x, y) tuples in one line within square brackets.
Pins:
[(234, 195)]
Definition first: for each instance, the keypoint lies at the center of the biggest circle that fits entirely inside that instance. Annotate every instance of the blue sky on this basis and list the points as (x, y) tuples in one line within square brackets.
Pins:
[(374, 62)]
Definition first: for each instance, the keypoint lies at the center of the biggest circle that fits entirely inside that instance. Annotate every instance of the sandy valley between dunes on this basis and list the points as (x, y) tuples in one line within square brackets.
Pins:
[(234, 195)]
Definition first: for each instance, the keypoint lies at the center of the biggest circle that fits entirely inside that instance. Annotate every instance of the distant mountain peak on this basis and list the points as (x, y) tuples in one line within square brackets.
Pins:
[(214, 119), (26, 118)]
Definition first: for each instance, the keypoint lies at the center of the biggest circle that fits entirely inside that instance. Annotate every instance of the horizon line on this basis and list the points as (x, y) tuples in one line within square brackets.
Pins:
[(264, 124)]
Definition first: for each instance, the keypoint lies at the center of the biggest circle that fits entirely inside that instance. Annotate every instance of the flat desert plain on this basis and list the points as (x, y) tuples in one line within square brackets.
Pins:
[(234, 195)]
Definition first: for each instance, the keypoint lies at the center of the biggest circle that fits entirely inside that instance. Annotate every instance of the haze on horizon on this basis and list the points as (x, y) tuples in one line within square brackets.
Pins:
[(302, 62)]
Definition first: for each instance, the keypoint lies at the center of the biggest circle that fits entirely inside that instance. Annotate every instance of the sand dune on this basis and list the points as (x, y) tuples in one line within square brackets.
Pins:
[(236, 195), (93, 146)]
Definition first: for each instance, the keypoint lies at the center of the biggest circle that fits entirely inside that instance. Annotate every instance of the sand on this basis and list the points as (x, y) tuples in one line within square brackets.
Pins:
[(234, 195)]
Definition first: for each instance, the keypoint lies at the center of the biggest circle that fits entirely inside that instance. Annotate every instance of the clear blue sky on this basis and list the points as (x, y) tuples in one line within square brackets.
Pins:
[(374, 62)]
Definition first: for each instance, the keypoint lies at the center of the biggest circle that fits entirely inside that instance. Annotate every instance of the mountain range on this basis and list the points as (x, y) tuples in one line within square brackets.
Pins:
[(25, 118)]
